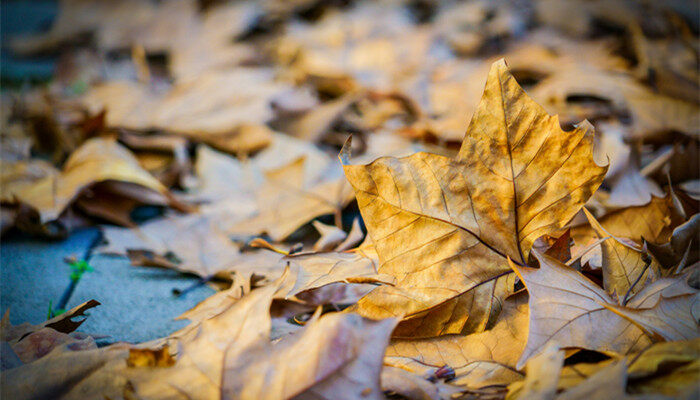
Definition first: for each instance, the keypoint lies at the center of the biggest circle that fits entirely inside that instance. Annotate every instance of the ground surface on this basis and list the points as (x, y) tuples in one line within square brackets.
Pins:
[(137, 303)]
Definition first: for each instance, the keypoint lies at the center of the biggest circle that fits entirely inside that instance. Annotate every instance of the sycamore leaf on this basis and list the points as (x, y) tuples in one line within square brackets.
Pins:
[(568, 309), (673, 318), (669, 368), (97, 160), (517, 176), (314, 270), (480, 359), (623, 263), (287, 202), (336, 356), (543, 374), (607, 383)]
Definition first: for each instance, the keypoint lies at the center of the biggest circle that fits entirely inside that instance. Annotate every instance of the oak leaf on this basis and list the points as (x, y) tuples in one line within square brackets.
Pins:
[(517, 176)]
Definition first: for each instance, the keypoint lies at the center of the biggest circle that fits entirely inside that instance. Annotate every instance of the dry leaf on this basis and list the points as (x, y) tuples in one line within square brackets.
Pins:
[(286, 202), (479, 360), (624, 263), (568, 309), (671, 253), (97, 160), (543, 372), (314, 270), (445, 208), (336, 356), (673, 318)]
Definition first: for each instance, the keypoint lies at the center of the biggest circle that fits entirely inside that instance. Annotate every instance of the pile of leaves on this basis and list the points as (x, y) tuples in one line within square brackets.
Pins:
[(309, 160)]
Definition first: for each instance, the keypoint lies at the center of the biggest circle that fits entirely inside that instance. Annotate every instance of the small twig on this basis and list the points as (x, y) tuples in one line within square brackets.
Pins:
[(78, 268), (647, 262)]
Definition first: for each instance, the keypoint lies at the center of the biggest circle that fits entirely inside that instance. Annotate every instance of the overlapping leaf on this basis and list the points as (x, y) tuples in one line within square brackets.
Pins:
[(517, 176)]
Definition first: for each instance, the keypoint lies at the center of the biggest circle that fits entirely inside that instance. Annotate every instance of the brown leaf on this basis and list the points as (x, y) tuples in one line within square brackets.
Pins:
[(61, 323), (338, 356), (480, 359), (543, 372), (97, 160), (671, 253), (568, 309), (673, 318), (464, 217), (286, 201), (624, 263), (314, 270)]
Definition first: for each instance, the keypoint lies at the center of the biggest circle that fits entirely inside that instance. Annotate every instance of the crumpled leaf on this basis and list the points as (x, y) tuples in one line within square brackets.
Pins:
[(465, 216), (314, 270), (97, 160), (287, 201), (671, 253), (673, 318), (568, 309), (336, 356), (543, 374), (624, 263), (204, 346), (479, 360)]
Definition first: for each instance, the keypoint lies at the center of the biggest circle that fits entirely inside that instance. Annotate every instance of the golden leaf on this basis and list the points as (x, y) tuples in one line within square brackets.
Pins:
[(479, 359), (568, 309), (517, 176), (623, 263)]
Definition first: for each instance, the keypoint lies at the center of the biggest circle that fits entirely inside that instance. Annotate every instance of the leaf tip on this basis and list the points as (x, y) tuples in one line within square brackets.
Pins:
[(346, 151)]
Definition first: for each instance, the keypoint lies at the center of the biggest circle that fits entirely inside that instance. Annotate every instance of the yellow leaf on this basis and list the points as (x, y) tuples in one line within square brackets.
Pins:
[(444, 227)]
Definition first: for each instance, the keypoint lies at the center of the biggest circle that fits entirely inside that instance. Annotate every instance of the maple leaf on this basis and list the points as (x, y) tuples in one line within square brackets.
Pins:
[(569, 309), (517, 176), (624, 263), (479, 359), (96, 161)]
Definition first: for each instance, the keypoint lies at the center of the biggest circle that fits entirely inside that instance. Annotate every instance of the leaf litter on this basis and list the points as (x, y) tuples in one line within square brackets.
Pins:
[(395, 199)]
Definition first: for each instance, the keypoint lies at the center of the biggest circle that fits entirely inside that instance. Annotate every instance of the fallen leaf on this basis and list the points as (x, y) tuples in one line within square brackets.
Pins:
[(568, 309), (479, 360), (314, 270), (61, 323), (542, 375), (608, 382), (286, 201), (673, 318), (671, 253), (624, 263), (668, 368), (97, 160), (436, 202)]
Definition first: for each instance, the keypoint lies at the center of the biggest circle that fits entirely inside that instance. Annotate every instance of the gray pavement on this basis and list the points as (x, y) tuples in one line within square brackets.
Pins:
[(137, 302)]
